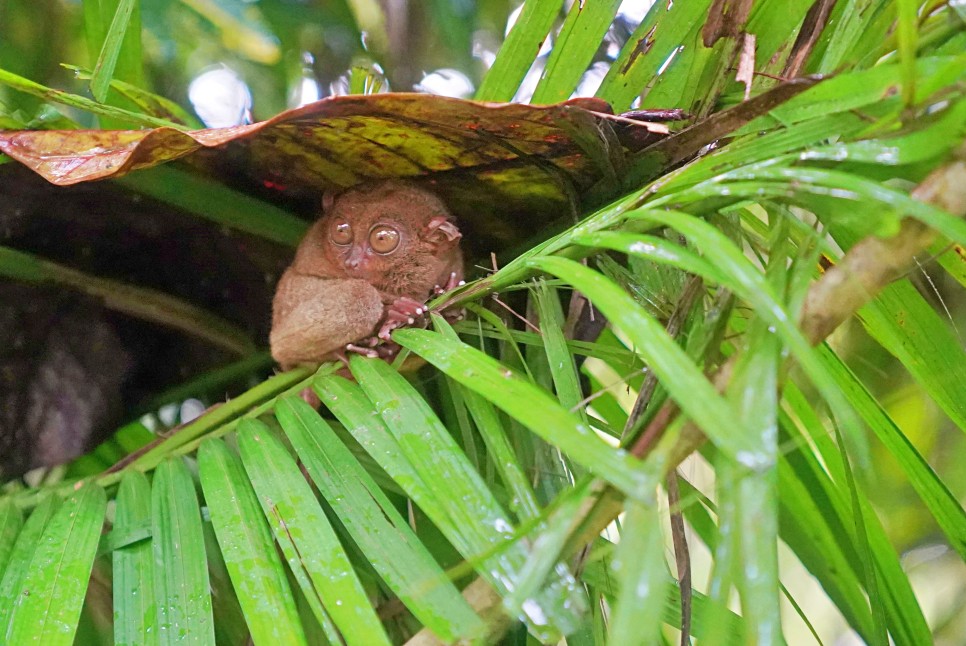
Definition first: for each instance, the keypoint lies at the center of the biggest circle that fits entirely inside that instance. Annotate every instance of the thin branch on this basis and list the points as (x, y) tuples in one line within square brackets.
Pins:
[(875, 262), (682, 555), (812, 27), (516, 314), (691, 292)]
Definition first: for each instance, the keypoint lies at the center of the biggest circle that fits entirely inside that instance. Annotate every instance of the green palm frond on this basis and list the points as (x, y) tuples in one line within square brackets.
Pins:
[(517, 487)]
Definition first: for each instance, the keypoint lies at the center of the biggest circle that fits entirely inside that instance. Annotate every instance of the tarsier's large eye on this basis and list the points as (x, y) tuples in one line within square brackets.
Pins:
[(383, 238), (341, 233)]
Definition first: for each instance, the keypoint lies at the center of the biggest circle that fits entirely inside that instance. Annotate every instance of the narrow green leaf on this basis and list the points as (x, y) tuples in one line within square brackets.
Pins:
[(850, 18), (21, 266), (27, 86), (230, 625), (819, 509), (887, 585), (307, 539), (903, 322), (861, 518), (649, 49), (851, 90), (729, 627), (853, 187), (181, 572), (52, 591), (918, 146), (754, 390), (522, 500), (20, 557), (578, 40), (380, 454), (561, 362), (531, 405), (655, 249), (748, 282), (617, 354), (351, 406), (376, 526), (519, 50), (549, 541), (256, 571), (642, 575), (148, 102), (95, 26), (11, 520), (692, 76), (771, 147), (775, 25), (945, 508), (135, 603), (726, 555), (464, 508), (502, 332), (456, 417), (810, 529), (107, 60), (677, 372)]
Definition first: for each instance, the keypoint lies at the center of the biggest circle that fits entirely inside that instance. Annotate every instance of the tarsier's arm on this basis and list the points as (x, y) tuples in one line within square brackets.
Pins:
[(405, 310), (314, 318)]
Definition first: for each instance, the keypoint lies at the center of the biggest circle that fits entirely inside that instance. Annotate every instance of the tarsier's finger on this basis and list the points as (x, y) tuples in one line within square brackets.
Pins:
[(388, 350), (366, 352), (453, 282), (408, 306), (389, 326), (401, 318)]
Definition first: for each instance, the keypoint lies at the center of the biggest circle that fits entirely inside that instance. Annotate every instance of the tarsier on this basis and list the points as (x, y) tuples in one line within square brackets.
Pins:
[(365, 268)]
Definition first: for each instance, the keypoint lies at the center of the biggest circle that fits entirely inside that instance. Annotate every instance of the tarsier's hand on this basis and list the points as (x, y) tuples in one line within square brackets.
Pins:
[(402, 311), (405, 311)]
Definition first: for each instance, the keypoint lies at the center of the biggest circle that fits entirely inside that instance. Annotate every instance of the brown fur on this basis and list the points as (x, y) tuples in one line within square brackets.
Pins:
[(321, 304)]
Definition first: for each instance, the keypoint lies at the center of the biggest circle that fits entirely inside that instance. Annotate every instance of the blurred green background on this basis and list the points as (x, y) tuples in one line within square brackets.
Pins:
[(230, 60)]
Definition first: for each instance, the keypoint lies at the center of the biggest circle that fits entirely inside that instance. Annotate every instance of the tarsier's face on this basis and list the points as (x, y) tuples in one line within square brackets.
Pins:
[(363, 247), (396, 237)]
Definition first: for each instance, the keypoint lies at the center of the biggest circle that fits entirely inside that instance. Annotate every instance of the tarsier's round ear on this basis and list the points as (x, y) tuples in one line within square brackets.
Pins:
[(328, 199), (441, 231)]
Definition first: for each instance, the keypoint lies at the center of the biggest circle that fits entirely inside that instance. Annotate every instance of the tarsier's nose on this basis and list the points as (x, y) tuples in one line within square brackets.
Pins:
[(354, 259)]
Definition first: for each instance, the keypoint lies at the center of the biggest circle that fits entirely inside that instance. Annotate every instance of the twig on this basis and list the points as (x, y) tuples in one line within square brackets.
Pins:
[(682, 555), (691, 291), (514, 313)]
